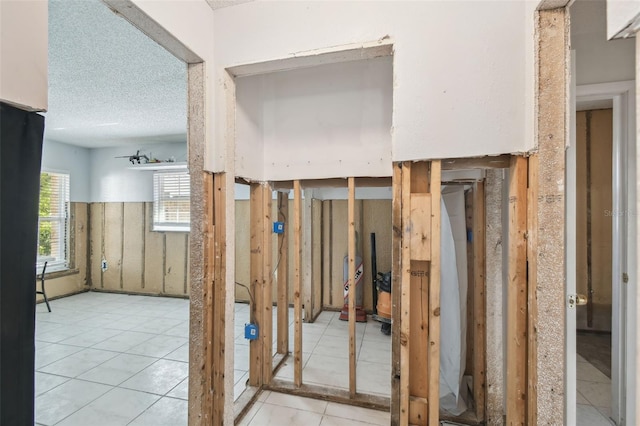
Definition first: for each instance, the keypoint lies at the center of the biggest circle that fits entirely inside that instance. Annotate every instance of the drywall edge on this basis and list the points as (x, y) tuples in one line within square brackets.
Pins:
[(23, 68)]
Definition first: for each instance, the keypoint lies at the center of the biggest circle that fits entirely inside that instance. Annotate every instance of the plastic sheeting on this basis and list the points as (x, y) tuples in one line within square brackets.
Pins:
[(453, 300)]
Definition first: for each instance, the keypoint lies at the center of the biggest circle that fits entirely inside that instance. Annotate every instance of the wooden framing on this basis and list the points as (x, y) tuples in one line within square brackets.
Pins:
[(516, 380), (266, 333), (532, 305), (479, 301), (297, 283), (307, 262), (405, 296), (325, 393), (489, 162), (214, 297), (352, 279), (255, 286), (283, 279), (260, 350), (434, 297), (419, 314), (396, 262)]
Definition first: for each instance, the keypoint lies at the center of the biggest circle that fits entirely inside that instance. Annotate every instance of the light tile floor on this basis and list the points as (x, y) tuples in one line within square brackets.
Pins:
[(593, 395), (325, 353), (113, 359)]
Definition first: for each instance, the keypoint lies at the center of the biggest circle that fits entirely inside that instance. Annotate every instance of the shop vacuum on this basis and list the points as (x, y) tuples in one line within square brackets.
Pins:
[(381, 291)]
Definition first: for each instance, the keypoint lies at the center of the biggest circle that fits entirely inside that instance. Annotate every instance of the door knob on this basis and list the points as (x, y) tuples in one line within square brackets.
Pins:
[(577, 300)]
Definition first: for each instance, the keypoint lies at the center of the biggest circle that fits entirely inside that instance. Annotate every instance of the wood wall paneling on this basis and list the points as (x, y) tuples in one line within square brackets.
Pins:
[(176, 246), (96, 222), (113, 244), (153, 255), (134, 247)]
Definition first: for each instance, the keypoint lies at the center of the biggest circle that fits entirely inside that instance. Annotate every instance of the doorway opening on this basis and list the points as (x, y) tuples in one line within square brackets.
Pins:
[(600, 164)]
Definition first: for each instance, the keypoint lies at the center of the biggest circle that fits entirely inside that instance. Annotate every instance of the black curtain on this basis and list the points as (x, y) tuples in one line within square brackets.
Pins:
[(21, 135)]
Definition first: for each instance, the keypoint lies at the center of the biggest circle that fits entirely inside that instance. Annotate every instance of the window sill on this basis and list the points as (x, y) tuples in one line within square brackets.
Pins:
[(185, 231), (58, 274)]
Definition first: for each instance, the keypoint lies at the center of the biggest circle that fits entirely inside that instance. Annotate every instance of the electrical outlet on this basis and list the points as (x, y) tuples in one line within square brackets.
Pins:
[(278, 227), (104, 265)]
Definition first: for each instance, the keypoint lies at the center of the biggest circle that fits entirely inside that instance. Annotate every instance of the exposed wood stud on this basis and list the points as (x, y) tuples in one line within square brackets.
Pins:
[(330, 394), (489, 162), (516, 381), (283, 279), (219, 296), (396, 271), (479, 300), (405, 296), (297, 283), (352, 290), (532, 277), (418, 233), (417, 185), (434, 296), (266, 331), (307, 263), (257, 283), (470, 349), (207, 290)]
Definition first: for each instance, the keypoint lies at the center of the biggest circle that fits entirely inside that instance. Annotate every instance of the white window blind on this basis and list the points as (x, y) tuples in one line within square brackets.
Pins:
[(171, 198), (53, 221)]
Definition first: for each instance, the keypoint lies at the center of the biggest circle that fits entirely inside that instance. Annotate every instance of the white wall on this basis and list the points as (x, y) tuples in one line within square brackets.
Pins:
[(621, 13), (60, 157), (598, 60), (113, 181), (23, 53), (326, 120), (249, 148), (462, 71)]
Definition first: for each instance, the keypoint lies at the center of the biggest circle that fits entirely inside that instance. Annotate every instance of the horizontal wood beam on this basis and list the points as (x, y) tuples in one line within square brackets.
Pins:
[(360, 182), (488, 162), (325, 393)]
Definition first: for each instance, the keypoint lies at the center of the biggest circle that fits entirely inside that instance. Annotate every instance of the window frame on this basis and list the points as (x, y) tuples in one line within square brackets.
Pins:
[(159, 202), (60, 261)]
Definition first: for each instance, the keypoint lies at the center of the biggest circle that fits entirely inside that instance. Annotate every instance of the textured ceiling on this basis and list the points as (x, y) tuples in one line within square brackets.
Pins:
[(217, 4), (109, 84)]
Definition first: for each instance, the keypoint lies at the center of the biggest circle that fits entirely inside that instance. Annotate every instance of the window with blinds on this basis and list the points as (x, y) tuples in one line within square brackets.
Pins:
[(171, 197), (53, 221)]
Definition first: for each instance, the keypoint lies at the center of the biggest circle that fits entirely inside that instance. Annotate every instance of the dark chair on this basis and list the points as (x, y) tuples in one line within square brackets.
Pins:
[(43, 293)]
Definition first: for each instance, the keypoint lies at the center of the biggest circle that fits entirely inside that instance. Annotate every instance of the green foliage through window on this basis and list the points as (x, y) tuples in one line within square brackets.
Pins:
[(53, 217)]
